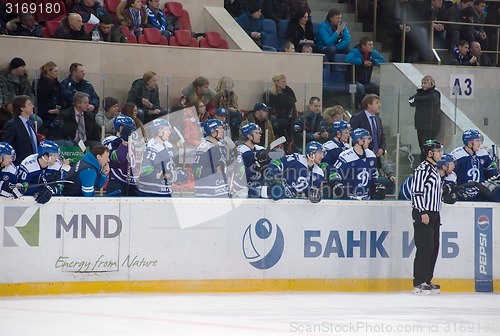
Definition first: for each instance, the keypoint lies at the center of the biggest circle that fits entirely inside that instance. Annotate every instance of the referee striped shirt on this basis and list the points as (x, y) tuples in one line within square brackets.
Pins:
[(426, 189)]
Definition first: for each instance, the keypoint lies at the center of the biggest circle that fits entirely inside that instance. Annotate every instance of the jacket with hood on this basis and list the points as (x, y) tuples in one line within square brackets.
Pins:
[(86, 176)]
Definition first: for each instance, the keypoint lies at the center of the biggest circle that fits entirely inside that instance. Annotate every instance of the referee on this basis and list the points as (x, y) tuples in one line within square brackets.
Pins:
[(426, 204)]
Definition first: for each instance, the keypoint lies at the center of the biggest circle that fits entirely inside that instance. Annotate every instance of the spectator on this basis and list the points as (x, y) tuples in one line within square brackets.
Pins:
[(201, 111), (311, 121), (462, 55), (252, 23), (89, 174), (133, 15), (300, 30), (226, 97), (75, 82), (192, 128), (333, 36), (370, 120), (107, 30), (365, 57), (332, 114), (455, 32), (259, 116), (199, 90), (481, 59), (144, 93), (105, 118), (307, 49), (236, 7), (427, 103), (19, 131), (15, 80), (281, 99), (130, 110), (78, 123), (72, 28), (91, 11), (49, 99), (157, 19), (297, 5), (480, 18), (25, 26), (289, 47), (276, 10)]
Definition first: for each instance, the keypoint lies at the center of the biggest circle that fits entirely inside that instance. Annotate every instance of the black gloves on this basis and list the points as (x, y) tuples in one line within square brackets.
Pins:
[(43, 195)]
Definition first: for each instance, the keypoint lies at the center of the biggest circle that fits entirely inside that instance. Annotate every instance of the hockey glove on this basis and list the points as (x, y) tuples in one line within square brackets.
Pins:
[(262, 158), (449, 194), (182, 175), (334, 190), (276, 192), (314, 195), (377, 191), (43, 195), (8, 189)]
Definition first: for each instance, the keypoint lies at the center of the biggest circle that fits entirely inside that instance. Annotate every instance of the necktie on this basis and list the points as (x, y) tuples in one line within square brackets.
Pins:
[(32, 136), (81, 135), (374, 134)]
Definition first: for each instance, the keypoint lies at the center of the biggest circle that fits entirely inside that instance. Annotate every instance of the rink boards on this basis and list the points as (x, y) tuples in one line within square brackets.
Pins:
[(89, 245)]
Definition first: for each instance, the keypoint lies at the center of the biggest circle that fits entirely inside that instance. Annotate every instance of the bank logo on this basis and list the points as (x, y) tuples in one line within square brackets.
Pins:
[(483, 222), (263, 244), (21, 226)]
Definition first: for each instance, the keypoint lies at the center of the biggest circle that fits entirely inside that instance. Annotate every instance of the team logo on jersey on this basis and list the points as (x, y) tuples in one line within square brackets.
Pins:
[(21, 226), (263, 244), (483, 222)]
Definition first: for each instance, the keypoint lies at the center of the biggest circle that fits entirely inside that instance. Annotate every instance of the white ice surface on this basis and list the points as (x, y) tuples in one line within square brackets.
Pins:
[(254, 314)]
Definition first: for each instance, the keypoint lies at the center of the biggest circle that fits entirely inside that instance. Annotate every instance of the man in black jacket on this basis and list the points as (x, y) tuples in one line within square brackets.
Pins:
[(72, 28)]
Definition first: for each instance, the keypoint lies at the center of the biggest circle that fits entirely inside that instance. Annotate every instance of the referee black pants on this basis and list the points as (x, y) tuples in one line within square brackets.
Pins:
[(427, 243)]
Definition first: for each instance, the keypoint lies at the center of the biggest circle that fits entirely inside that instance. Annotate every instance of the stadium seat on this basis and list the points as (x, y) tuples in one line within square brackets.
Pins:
[(271, 36), (182, 15), (88, 27), (335, 77), (213, 40), (111, 6), (152, 36), (50, 28), (282, 33), (57, 14), (183, 38), (130, 36)]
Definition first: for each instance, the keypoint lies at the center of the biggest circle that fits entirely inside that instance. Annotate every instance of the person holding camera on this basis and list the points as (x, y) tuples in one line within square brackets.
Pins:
[(311, 121)]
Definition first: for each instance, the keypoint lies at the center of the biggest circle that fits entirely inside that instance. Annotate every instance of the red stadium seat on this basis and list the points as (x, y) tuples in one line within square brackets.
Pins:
[(183, 38), (130, 36), (152, 36), (213, 40), (56, 13), (88, 27), (50, 28), (111, 6), (182, 15)]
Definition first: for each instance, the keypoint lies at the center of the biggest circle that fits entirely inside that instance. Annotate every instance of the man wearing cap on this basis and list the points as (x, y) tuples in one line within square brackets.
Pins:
[(259, 115), (16, 80), (252, 23), (221, 114)]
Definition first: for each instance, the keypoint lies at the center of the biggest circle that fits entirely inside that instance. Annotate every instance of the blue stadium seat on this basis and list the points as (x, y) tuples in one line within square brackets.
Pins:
[(271, 36), (282, 33), (334, 78)]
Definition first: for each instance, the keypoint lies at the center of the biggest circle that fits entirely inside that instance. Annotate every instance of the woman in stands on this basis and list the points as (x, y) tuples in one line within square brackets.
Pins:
[(333, 114), (133, 15), (49, 99), (225, 97), (281, 99), (300, 30), (130, 110)]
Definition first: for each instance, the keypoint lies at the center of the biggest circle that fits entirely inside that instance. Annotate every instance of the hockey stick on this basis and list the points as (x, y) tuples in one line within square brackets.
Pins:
[(276, 143), (43, 184), (183, 143)]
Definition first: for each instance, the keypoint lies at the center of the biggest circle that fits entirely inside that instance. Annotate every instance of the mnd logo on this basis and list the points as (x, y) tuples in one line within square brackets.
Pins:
[(21, 226), (263, 244)]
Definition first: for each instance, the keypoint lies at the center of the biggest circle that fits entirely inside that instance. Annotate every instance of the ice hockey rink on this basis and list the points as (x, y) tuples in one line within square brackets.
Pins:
[(252, 314)]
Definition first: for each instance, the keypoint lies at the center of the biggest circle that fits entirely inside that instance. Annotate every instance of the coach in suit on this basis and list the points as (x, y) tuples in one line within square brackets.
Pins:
[(19, 131), (369, 120), (78, 123)]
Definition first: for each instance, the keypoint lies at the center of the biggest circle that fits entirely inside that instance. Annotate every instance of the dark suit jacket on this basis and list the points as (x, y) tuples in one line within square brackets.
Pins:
[(70, 125), (15, 133), (359, 120)]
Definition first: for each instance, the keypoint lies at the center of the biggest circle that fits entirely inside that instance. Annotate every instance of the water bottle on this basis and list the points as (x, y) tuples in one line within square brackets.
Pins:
[(95, 36)]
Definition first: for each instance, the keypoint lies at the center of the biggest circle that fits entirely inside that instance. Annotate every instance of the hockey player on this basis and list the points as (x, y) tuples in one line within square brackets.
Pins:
[(89, 174), (255, 158), (341, 132), (8, 172), (296, 173), (357, 168), (43, 168), (445, 168), (121, 180), (158, 170), (210, 162), (474, 165)]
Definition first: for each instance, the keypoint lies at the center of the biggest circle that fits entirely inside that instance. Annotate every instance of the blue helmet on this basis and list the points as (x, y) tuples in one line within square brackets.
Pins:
[(360, 133), (6, 149), (314, 146), (48, 147), (339, 126), (470, 135), (123, 120), (445, 159), (158, 124), (248, 129), (211, 125)]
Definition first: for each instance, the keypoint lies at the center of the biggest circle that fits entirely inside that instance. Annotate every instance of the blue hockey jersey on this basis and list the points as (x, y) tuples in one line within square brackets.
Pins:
[(31, 172), (157, 164), (358, 173), (9, 173), (210, 171), (473, 168), (295, 175), (333, 148), (253, 173)]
